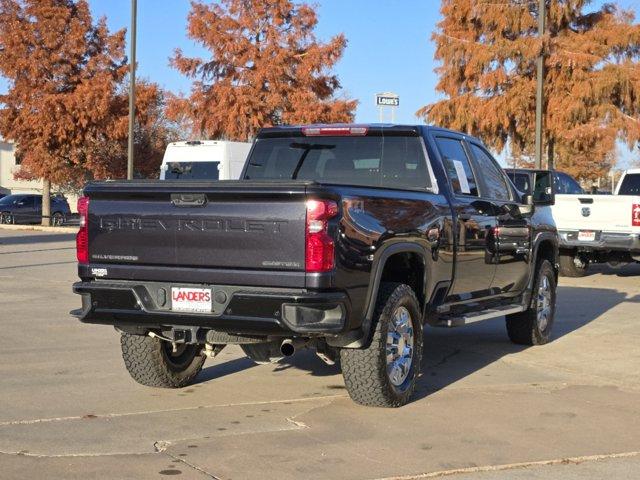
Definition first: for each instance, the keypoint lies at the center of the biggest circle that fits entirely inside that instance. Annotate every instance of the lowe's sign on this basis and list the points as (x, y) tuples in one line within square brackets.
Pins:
[(387, 100)]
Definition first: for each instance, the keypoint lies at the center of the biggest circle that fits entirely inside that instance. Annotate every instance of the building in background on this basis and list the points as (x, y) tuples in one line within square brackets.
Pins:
[(9, 166)]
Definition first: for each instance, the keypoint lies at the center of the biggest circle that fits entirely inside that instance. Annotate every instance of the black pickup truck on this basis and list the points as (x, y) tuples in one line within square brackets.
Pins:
[(348, 239)]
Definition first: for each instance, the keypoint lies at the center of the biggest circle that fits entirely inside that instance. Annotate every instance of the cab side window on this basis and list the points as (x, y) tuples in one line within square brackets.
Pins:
[(494, 182), (458, 167)]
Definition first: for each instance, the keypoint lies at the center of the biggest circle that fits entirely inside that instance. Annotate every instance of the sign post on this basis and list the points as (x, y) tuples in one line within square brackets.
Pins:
[(387, 100)]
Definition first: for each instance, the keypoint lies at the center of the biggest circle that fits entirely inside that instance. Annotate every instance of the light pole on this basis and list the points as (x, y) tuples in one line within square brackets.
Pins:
[(132, 89), (542, 13)]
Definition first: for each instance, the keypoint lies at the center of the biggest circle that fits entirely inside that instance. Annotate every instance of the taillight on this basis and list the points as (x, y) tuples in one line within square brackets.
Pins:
[(635, 215), (319, 245), (82, 238)]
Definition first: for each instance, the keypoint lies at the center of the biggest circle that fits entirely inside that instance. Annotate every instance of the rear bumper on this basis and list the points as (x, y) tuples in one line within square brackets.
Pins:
[(615, 241), (238, 310)]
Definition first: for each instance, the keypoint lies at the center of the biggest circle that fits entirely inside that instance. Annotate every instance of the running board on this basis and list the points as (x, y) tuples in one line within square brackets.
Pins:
[(458, 321)]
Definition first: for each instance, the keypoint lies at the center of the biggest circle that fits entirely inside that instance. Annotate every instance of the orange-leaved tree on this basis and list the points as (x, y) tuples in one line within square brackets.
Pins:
[(65, 106), (266, 68), (487, 51)]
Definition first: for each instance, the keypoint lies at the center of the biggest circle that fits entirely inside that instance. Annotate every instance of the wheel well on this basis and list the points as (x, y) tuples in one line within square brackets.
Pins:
[(407, 268)]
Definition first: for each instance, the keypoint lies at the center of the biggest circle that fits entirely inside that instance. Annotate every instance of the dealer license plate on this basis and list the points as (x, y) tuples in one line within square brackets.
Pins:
[(586, 236), (192, 300)]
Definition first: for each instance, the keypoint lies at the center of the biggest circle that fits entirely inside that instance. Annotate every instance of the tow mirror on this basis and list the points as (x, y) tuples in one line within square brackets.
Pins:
[(543, 192)]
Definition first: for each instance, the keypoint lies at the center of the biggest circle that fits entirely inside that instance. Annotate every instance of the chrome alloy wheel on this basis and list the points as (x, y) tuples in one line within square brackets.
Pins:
[(543, 301), (399, 348)]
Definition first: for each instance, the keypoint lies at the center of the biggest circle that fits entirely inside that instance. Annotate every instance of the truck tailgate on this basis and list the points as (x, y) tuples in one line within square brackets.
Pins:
[(611, 213), (230, 224)]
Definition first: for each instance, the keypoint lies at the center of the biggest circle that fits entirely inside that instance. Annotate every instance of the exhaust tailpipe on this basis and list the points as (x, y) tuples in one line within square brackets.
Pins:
[(289, 346)]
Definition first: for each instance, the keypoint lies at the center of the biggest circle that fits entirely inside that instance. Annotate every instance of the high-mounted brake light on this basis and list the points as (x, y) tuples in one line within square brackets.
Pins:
[(335, 131), (635, 215), (319, 253), (82, 238)]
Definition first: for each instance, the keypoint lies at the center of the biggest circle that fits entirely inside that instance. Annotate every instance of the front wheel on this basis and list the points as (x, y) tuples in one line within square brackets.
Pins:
[(385, 373), (533, 326), (152, 362)]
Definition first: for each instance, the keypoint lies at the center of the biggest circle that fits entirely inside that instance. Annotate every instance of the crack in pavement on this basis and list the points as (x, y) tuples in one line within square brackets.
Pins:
[(446, 358), (515, 466), (23, 453), (168, 410), (191, 465)]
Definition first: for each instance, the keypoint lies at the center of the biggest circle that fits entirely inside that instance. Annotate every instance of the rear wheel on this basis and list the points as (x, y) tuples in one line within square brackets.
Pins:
[(152, 362), (533, 326), (573, 265), (385, 373), (57, 219)]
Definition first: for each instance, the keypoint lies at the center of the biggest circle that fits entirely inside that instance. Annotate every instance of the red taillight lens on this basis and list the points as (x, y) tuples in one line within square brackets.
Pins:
[(635, 215), (82, 238), (319, 245)]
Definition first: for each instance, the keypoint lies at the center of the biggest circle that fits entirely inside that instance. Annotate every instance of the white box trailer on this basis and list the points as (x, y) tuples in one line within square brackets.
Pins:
[(204, 160)]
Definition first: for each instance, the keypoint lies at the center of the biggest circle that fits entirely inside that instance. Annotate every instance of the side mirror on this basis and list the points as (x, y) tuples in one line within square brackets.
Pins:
[(543, 191)]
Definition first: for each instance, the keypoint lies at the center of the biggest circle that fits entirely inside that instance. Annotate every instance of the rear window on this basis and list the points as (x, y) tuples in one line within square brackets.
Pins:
[(192, 171), (630, 184), (393, 162)]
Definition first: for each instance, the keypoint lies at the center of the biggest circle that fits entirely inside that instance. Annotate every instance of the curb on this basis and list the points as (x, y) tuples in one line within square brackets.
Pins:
[(39, 228)]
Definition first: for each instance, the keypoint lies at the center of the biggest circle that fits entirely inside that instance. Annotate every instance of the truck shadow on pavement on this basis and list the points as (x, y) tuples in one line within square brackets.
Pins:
[(451, 355), (629, 270), (37, 238)]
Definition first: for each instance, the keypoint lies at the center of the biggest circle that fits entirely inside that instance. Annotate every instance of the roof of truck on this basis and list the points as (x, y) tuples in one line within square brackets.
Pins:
[(384, 127)]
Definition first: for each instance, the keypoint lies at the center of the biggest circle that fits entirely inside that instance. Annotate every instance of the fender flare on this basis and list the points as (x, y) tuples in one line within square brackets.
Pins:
[(379, 262), (540, 237), (363, 334)]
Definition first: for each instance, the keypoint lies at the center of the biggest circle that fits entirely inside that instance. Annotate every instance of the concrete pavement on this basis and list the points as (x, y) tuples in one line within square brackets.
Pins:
[(484, 409)]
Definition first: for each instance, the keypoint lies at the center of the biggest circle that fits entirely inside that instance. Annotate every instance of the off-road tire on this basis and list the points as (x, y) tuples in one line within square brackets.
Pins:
[(568, 268), (149, 363), (522, 327), (365, 370)]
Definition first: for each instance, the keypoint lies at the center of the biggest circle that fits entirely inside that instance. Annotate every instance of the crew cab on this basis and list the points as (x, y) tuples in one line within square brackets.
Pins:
[(592, 228), (349, 239)]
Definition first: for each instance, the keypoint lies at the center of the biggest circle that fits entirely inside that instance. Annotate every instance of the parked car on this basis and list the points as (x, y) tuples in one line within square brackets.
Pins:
[(592, 228), (204, 160), (27, 208), (348, 239)]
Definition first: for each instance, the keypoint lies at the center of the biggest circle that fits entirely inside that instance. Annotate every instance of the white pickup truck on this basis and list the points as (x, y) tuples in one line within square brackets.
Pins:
[(592, 228)]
